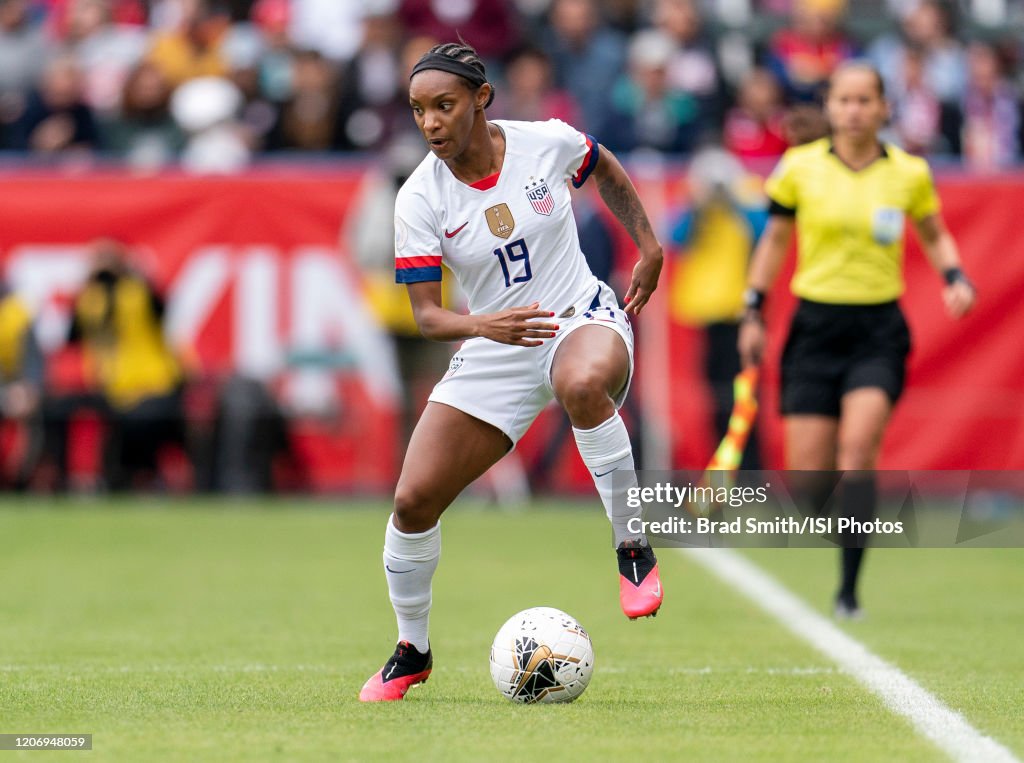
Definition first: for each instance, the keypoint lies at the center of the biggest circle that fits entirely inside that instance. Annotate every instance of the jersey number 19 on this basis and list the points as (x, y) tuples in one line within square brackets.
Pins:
[(514, 252)]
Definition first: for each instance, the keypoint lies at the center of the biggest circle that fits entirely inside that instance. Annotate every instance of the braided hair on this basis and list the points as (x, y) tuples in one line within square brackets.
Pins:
[(458, 58), (461, 52)]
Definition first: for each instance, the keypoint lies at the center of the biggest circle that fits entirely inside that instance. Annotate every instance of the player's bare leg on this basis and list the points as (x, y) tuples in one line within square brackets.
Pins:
[(448, 450), (864, 413), (591, 367)]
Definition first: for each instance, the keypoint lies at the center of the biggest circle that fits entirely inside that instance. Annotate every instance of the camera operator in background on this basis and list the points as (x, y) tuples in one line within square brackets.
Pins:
[(134, 378), (715, 237), (22, 371)]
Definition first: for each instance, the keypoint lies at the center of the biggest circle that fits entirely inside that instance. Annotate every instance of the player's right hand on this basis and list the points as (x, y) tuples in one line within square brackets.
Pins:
[(751, 341), (518, 326)]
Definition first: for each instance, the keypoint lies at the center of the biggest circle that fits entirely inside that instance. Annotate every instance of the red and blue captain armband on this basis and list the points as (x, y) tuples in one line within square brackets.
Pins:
[(417, 269)]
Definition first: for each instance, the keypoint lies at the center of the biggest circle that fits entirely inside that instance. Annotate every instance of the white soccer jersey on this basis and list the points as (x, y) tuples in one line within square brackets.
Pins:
[(510, 239)]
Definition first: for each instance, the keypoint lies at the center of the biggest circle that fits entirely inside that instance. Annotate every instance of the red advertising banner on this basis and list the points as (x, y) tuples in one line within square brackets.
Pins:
[(259, 279), (254, 281)]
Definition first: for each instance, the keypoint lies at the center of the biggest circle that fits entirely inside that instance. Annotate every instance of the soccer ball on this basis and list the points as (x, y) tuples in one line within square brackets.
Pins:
[(541, 655)]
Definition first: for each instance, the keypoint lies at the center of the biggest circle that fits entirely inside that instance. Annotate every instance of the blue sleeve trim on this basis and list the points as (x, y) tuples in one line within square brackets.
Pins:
[(589, 162), (416, 275)]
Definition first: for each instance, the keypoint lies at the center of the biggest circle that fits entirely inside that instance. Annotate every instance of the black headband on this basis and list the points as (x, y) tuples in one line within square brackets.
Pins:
[(450, 65)]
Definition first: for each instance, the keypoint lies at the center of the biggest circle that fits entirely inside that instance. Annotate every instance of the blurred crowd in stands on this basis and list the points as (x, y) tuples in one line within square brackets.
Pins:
[(213, 83)]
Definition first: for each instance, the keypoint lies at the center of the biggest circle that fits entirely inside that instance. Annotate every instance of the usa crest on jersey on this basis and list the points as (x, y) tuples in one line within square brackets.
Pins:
[(540, 197)]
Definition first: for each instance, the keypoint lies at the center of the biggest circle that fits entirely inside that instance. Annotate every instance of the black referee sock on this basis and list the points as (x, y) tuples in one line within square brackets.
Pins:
[(851, 560), (859, 496)]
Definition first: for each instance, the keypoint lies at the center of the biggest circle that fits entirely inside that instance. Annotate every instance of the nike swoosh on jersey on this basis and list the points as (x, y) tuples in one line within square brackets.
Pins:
[(607, 472), (397, 572), (456, 231)]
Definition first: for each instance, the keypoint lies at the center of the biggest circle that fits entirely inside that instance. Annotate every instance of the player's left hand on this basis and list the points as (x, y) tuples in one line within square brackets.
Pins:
[(645, 281), (959, 298)]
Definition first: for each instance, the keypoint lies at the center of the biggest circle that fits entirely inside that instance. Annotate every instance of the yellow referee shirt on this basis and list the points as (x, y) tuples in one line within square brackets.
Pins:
[(850, 224)]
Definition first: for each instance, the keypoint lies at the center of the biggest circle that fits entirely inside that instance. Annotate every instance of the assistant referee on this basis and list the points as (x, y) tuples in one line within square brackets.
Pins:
[(844, 363)]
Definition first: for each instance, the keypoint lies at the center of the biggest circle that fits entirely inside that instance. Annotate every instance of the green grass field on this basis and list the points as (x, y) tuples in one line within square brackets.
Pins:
[(243, 631)]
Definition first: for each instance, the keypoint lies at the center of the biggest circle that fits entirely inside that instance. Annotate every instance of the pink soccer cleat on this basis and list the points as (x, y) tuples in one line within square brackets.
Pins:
[(640, 592), (406, 667)]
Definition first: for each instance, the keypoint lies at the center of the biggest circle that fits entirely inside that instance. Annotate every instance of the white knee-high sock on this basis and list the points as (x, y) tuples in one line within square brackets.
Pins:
[(609, 457), (409, 563)]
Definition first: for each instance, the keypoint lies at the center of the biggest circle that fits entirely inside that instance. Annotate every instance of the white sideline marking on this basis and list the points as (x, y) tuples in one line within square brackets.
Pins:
[(946, 728)]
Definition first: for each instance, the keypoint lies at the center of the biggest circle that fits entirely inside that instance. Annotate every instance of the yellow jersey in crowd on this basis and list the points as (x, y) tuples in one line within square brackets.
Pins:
[(15, 320), (121, 329)]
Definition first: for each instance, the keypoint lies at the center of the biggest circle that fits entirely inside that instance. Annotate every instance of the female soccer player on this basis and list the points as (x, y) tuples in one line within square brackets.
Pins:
[(491, 201), (844, 361)]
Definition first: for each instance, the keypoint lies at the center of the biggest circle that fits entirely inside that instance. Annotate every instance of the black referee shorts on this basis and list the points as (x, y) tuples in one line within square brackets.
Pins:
[(833, 349)]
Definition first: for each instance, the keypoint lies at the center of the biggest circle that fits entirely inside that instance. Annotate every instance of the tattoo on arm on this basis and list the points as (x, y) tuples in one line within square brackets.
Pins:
[(622, 199)]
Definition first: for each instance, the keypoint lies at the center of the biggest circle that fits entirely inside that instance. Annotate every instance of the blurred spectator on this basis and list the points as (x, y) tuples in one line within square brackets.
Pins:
[(275, 64), (626, 16), (372, 93), (573, 66), (118, 319), (693, 68), (991, 133), (332, 27), (23, 54), (803, 123), (105, 52), (587, 56), (257, 114), (309, 119), (532, 15), (754, 128), (144, 133), (928, 45), (645, 111), (412, 50), (804, 56), (922, 123), (249, 433), (56, 119), (528, 91), (260, 57), (488, 25), (207, 109), (195, 46), (22, 371), (122, 13), (716, 235)]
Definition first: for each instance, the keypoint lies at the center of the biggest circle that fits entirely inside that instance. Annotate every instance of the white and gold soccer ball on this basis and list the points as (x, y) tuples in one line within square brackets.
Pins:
[(541, 655)]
